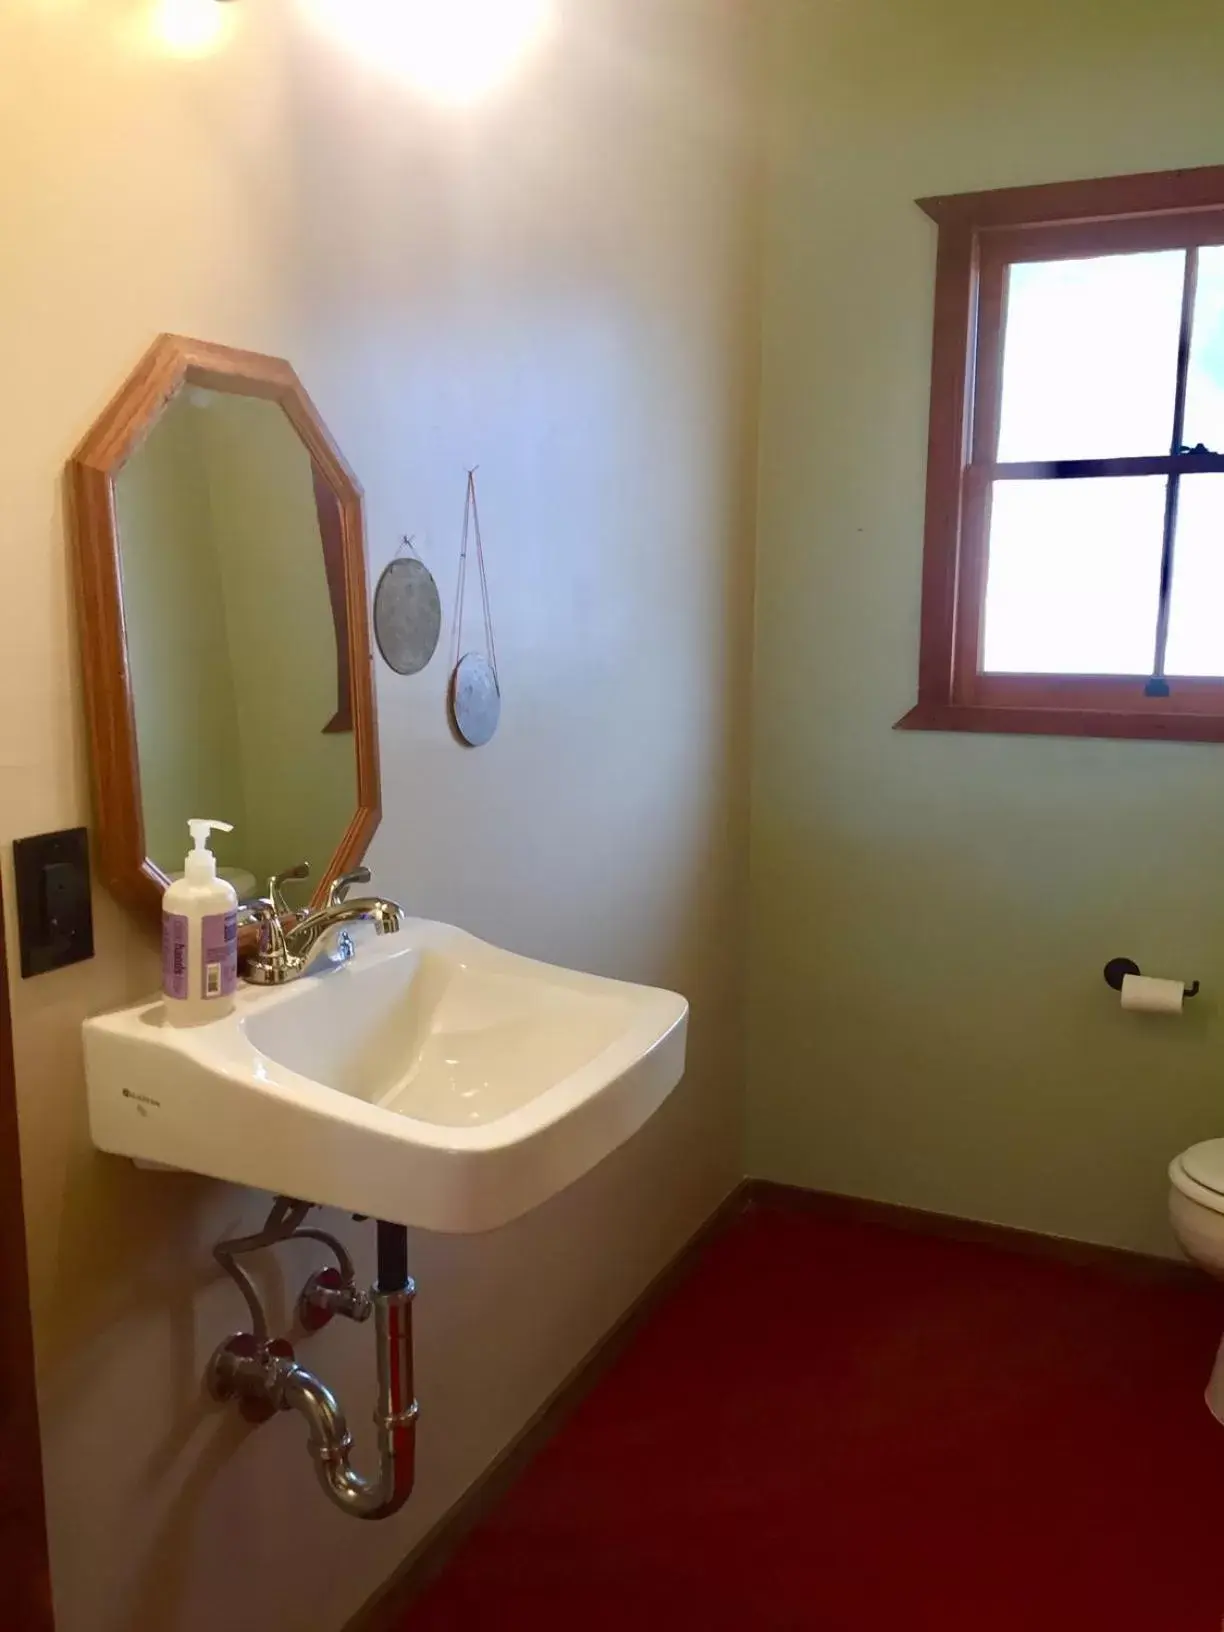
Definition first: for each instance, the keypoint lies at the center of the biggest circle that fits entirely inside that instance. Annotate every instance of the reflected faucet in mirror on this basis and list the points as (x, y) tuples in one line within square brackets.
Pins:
[(320, 938)]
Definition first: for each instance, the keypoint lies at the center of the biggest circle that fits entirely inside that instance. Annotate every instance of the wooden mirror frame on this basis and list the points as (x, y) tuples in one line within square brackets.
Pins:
[(171, 364)]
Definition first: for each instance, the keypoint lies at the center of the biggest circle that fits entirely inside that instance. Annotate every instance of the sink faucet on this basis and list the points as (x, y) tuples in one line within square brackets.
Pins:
[(320, 938)]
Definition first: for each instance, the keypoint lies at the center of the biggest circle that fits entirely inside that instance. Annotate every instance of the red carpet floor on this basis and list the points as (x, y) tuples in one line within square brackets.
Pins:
[(832, 1426)]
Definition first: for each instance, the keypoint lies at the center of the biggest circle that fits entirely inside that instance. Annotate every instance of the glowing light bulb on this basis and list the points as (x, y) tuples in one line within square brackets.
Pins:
[(451, 50), (190, 28)]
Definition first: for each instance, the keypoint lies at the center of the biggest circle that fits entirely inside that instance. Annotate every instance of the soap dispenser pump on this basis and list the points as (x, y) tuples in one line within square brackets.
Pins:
[(199, 936)]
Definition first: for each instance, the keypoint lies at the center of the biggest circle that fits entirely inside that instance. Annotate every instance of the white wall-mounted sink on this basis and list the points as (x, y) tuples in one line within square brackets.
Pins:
[(434, 1081)]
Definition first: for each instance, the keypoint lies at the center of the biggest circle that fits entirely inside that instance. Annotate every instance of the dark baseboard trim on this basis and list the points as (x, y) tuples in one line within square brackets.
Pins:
[(386, 1609), (860, 1210)]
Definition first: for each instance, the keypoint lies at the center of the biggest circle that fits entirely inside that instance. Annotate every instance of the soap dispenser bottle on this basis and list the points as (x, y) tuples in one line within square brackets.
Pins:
[(199, 937)]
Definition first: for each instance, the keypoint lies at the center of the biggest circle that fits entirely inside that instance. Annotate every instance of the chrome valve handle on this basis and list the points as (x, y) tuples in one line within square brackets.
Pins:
[(342, 885), (274, 964), (276, 886)]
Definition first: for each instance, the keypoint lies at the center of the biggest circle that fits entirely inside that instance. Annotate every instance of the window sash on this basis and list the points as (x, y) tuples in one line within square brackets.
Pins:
[(1044, 470), (979, 236), (1089, 240)]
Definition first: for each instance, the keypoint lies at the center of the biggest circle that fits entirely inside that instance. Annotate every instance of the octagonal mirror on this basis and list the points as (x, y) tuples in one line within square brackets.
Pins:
[(224, 626)]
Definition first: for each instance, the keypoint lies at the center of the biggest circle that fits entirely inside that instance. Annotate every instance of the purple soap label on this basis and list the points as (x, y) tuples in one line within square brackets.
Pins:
[(174, 956), (220, 972)]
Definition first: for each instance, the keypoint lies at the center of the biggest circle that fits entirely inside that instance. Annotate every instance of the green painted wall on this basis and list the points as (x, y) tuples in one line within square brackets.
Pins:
[(178, 646), (232, 640), (932, 913), (300, 783)]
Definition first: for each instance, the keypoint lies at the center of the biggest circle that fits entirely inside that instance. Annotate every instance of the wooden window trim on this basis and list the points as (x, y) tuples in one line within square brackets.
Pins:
[(979, 235)]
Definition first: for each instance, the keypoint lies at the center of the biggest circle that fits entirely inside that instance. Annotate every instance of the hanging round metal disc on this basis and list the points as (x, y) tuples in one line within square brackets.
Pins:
[(475, 699), (407, 615)]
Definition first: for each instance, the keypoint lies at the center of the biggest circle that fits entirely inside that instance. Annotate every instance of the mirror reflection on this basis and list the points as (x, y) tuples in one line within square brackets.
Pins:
[(231, 554)]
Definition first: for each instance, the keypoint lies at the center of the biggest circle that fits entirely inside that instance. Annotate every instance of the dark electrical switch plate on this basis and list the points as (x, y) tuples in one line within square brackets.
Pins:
[(54, 916)]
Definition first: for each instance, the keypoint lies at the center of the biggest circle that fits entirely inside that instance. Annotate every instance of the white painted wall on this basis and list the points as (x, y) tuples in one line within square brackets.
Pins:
[(557, 286)]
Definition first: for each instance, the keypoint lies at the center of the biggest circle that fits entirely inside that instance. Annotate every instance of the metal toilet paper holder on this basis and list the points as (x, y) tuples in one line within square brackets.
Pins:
[(1117, 969)]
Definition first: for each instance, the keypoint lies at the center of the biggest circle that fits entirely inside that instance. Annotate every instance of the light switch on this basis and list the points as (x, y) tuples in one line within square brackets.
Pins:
[(54, 914)]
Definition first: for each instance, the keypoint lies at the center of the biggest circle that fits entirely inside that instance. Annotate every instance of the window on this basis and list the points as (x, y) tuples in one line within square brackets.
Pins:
[(1073, 579)]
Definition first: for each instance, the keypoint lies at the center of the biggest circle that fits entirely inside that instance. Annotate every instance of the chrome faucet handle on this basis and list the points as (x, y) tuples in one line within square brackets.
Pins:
[(266, 917), (276, 886), (274, 963), (341, 886)]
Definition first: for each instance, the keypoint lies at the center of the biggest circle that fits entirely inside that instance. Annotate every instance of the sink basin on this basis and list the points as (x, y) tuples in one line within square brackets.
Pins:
[(434, 1081)]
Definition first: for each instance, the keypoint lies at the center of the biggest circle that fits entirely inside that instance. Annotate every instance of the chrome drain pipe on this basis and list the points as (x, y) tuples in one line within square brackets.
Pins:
[(331, 1444), (264, 1376)]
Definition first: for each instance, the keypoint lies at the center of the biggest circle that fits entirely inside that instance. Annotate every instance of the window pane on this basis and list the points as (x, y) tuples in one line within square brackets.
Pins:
[(1090, 357), (1196, 606), (1074, 576), (1205, 378)]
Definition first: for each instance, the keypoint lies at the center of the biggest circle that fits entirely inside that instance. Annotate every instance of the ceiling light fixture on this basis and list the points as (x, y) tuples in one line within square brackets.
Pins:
[(452, 51), (188, 28)]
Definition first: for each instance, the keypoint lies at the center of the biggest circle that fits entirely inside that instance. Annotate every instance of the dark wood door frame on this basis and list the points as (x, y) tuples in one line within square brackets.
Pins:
[(23, 1530)]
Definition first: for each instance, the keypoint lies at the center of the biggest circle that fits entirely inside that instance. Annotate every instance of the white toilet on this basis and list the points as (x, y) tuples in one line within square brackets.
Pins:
[(1196, 1208)]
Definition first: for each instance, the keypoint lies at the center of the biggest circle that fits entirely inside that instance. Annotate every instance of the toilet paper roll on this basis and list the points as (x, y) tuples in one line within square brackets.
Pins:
[(1148, 996)]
